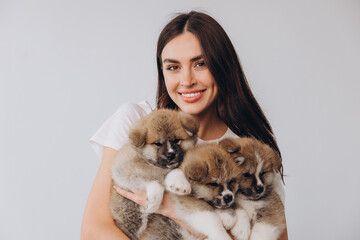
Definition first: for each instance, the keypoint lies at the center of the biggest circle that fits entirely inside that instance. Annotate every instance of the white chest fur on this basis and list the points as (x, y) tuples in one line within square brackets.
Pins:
[(252, 207)]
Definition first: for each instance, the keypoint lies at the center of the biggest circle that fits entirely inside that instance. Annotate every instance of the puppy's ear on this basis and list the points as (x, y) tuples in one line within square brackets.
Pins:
[(189, 123), (197, 171), (138, 136), (230, 145), (276, 162)]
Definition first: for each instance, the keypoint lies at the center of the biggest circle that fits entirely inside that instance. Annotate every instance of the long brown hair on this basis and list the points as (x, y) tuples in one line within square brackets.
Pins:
[(235, 103)]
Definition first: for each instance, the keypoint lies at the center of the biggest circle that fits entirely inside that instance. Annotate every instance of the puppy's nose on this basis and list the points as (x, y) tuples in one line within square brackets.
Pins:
[(170, 156), (228, 198), (259, 189)]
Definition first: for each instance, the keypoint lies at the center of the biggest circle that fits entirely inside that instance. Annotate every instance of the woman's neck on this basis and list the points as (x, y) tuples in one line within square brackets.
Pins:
[(211, 126)]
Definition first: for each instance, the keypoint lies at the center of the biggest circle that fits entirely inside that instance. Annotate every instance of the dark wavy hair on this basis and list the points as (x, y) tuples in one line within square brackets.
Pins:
[(235, 103)]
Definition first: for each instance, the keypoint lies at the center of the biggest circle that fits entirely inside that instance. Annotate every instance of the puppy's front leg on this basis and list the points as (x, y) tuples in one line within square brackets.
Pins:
[(227, 217), (154, 193), (241, 229), (176, 182), (264, 231), (207, 223)]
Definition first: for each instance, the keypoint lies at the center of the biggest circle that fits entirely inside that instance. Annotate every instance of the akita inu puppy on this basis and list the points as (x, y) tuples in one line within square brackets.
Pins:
[(157, 144), (259, 210), (210, 175)]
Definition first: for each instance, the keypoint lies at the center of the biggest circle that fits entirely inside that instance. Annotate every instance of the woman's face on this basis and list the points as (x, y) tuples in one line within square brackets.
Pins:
[(188, 80)]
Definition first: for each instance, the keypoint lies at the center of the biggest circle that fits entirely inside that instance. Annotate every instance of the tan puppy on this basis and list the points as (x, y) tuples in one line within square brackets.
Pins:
[(213, 176), (157, 144), (259, 210)]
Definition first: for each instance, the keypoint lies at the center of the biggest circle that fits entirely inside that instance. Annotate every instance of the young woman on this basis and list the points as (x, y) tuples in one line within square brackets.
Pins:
[(198, 73)]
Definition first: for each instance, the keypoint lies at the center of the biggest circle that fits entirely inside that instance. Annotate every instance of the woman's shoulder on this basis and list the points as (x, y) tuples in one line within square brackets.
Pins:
[(140, 109), (114, 131)]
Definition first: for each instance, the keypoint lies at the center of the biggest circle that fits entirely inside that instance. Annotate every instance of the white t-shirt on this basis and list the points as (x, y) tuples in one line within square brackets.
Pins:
[(114, 133)]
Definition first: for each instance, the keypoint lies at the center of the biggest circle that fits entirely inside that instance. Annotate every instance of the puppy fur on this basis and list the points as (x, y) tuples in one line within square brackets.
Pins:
[(259, 210), (157, 144), (213, 176)]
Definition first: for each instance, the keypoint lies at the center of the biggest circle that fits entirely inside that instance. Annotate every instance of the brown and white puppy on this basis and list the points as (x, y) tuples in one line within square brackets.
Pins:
[(213, 176), (259, 210), (157, 144)]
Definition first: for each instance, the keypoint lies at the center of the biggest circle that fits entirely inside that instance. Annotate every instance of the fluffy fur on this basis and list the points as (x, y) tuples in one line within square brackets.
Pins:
[(213, 176), (157, 144), (259, 210)]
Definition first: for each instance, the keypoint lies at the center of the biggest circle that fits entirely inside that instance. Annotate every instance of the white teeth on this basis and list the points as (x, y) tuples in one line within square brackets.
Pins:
[(190, 94)]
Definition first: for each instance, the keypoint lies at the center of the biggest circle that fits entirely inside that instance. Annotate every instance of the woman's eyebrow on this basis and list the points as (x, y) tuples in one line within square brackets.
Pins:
[(169, 60), (194, 59)]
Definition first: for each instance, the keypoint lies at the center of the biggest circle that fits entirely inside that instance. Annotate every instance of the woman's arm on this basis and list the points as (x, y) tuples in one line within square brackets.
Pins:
[(97, 220), (166, 208)]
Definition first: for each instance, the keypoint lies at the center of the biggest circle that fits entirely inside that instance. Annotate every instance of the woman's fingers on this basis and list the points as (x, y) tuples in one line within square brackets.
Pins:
[(136, 196), (166, 207)]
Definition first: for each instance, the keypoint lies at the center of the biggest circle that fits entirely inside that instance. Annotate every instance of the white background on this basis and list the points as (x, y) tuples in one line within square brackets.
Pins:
[(65, 66)]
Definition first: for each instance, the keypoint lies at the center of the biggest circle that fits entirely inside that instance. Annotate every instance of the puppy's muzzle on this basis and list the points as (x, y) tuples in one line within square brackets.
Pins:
[(259, 189), (228, 198), (170, 156)]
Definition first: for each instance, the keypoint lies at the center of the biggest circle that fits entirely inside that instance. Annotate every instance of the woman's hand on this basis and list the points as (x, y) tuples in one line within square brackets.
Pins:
[(139, 197), (166, 208)]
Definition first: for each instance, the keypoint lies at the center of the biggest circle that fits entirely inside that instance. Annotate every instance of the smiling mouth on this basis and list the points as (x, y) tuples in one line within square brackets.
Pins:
[(192, 96)]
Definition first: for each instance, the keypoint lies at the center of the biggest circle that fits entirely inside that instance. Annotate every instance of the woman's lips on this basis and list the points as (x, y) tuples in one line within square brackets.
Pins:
[(191, 96)]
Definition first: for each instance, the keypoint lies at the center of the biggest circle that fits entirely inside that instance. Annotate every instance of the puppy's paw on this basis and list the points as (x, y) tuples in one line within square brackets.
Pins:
[(220, 236), (177, 183), (241, 230), (154, 192), (227, 217), (264, 231)]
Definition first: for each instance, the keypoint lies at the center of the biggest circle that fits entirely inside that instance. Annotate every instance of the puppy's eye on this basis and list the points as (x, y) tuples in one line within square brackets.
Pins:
[(177, 140), (157, 144), (247, 175), (232, 182), (233, 150), (213, 184), (262, 174)]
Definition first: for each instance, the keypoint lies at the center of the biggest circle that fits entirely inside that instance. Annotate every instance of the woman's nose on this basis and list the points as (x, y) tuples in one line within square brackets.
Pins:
[(187, 78)]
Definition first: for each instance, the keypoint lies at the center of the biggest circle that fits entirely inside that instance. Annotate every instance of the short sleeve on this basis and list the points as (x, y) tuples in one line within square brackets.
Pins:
[(114, 131)]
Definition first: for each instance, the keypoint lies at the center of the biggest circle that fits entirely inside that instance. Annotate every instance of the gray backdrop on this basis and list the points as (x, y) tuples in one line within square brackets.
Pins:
[(65, 66)]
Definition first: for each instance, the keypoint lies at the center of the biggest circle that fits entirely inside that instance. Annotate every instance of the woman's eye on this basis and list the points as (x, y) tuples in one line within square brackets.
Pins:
[(157, 144), (247, 175), (200, 64), (214, 184), (172, 68)]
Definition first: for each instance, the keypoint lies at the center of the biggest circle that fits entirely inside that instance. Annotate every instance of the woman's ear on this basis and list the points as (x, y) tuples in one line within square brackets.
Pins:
[(189, 123), (197, 171), (138, 136)]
